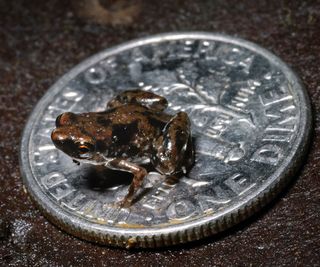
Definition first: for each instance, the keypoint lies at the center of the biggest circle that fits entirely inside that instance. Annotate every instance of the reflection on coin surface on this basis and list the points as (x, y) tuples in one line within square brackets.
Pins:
[(250, 123)]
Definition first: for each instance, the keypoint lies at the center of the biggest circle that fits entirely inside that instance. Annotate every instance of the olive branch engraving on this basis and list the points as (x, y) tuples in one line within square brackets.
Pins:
[(191, 91)]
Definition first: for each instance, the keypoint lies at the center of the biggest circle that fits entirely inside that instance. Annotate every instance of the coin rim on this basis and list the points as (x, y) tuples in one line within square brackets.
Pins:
[(186, 231)]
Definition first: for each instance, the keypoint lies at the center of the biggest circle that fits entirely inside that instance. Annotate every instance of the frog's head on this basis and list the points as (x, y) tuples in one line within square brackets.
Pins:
[(70, 137)]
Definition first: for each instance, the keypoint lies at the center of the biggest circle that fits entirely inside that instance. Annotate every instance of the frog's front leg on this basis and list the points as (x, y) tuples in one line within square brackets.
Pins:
[(174, 148), (138, 175), (143, 98)]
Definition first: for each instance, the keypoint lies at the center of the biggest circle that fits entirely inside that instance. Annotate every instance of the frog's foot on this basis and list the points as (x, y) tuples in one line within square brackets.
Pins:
[(124, 203), (120, 204), (143, 98), (138, 175), (174, 147)]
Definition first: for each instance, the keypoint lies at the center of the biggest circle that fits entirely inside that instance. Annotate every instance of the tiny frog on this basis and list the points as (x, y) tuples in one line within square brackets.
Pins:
[(134, 130)]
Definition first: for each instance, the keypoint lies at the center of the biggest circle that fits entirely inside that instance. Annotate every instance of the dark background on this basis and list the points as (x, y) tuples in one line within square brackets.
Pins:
[(41, 40)]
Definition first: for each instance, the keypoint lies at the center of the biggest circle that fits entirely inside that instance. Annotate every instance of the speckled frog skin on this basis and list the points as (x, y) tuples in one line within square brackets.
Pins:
[(133, 131)]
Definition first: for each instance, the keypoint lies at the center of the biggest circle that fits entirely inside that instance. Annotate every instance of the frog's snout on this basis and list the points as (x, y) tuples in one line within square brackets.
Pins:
[(63, 142), (54, 135), (58, 137)]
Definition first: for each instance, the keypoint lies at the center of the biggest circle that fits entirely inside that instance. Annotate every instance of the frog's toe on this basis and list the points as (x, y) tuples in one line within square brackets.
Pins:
[(125, 203)]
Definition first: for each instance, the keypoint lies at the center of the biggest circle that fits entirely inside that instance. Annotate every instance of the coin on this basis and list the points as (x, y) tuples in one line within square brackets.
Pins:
[(250, 123)]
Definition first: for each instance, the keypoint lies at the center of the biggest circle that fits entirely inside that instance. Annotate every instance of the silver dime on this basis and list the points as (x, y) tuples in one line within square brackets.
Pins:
[(250, 121)]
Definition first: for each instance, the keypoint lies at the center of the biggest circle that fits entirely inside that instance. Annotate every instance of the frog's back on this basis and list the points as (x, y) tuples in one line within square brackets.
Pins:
[(130, 127), (132, 112)]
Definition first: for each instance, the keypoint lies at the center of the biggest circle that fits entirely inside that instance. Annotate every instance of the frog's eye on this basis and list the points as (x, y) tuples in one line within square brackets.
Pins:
[(83, 149)]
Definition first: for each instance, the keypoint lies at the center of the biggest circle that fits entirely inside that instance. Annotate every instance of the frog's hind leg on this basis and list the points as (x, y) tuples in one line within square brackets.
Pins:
[(143, 98), (174, 147)]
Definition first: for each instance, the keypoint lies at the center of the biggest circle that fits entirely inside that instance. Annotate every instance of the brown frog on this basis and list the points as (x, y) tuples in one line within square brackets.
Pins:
[(133, 131)]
